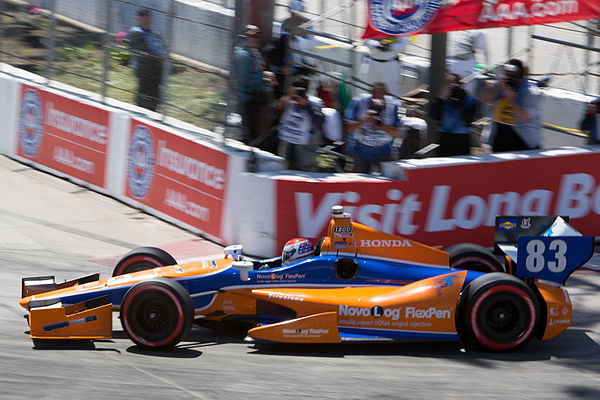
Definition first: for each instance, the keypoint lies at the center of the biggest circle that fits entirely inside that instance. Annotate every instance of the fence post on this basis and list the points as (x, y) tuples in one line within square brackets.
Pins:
[(50, 53), (166, 62), (232, 84), (106, 37), (509, 42), (1, 29)]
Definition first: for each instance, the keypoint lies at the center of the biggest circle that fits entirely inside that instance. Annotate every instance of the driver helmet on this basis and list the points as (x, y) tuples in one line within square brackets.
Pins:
[(296, 249)]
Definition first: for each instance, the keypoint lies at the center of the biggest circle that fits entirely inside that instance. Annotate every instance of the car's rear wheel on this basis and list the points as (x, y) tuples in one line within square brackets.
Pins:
[(473, 257), (141, 259), (157, 314), (497, 311)]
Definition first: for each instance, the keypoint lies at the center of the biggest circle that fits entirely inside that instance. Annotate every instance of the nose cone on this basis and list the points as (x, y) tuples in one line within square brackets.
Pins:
[(24, 302)]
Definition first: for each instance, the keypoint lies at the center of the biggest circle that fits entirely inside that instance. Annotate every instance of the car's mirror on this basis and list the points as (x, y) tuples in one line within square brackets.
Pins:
[(243, 267), (235, 252)]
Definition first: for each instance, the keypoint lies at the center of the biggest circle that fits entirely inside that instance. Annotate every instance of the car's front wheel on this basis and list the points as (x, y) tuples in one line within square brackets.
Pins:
[(157, 313)]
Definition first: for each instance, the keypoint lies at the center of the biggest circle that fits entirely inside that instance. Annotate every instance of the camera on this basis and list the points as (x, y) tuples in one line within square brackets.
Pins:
[(300, 92), (457, 93), (511, 73), (376, 109)]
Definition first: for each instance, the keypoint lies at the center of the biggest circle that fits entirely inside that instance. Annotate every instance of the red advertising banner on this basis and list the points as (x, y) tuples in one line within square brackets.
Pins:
[(411, 17), (449, 204), (176, 176), (63, 134)]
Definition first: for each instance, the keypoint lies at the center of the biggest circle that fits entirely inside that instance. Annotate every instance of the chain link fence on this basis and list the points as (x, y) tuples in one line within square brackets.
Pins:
[(89, 45)]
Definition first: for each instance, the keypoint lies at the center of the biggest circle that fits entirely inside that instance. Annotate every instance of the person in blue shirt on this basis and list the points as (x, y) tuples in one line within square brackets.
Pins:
[(148, 53), (372, 123), (454, 109)]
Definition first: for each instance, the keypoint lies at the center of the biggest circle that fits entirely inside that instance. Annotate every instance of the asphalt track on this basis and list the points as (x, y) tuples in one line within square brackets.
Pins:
[(50, 226)]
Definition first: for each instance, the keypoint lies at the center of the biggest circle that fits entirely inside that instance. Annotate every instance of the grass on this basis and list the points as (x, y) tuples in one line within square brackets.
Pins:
[(79, 59)]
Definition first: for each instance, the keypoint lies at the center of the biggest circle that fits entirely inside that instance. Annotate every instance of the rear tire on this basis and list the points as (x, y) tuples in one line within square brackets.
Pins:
[(157, 313), (473, 257), (141, 259), (497, 311)]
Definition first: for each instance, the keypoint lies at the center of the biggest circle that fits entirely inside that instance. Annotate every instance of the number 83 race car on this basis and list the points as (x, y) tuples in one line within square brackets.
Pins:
[(356, 284)]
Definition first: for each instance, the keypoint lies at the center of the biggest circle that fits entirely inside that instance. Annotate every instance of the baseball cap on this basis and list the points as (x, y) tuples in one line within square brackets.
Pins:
[(296, 6)]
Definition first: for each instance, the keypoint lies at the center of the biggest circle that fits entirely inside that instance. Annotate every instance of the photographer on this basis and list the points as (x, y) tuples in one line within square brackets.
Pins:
[(591, 121), (300, 122), (372, 122), (455, 110), (516, 119)]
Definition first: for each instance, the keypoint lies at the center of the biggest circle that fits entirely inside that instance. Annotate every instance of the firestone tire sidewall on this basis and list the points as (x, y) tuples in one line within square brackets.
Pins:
[(473, 257), (157, 314), (488, 297), (143, 258)]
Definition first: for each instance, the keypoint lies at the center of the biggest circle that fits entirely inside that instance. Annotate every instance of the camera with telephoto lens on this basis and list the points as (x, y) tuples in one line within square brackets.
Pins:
[(376, 109), (510, 78), (457, 94)]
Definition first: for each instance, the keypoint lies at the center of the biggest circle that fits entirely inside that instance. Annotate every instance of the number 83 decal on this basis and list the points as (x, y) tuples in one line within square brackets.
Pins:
[(552, 258), (537, 254)]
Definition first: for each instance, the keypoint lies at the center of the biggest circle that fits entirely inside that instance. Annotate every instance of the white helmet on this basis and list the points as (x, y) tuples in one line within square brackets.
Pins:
[(296, 249)]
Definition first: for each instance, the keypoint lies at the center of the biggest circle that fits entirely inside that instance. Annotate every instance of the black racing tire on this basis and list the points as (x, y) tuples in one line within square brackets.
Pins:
[(141, 259), (473, 257), (157, 313), (497, 312)]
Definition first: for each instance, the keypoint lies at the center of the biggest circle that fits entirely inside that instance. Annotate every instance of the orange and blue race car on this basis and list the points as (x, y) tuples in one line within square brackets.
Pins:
[(356, 284)]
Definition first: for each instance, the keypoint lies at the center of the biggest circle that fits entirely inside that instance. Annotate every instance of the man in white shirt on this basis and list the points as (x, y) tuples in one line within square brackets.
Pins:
[(462, 51)]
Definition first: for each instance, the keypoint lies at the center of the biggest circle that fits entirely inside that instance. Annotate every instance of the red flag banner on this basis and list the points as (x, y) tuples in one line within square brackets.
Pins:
[(411, 17)]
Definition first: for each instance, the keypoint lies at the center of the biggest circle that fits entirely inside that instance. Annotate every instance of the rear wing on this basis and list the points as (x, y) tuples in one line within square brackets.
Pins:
[(542, 247), (508, 228)]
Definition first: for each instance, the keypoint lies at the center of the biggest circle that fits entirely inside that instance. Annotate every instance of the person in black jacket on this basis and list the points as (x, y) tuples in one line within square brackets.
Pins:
[(148, 53), (454, 110)]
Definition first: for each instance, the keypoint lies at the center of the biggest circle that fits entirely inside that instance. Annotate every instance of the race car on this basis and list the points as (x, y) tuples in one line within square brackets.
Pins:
[(356, 284)]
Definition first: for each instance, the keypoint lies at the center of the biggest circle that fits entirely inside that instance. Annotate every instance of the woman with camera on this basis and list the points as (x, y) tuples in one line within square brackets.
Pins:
[(516, 119), (454, 110)]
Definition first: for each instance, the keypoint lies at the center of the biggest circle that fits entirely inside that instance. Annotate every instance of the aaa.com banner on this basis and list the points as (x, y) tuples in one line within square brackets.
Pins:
[(176, 176), (63, 134), (448, 204), (410, 17)]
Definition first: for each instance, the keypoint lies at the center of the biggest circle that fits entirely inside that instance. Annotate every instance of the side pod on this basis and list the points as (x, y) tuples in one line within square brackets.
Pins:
[(318, 328), (91, 319)]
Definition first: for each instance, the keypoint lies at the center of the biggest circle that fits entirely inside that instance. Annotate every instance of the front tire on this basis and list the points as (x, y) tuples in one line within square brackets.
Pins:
[(157, 314), (497, 311), (141, 259), (473, 257)]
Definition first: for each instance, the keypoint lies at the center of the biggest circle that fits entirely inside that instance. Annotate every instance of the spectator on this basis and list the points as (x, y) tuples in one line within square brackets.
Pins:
[(291, 63), (591, 121), (299, 126), (462, 55), (372, 122), (516, 118), (296, 18), (381, 64), (255, 84), (148, 53), (454, 109)]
